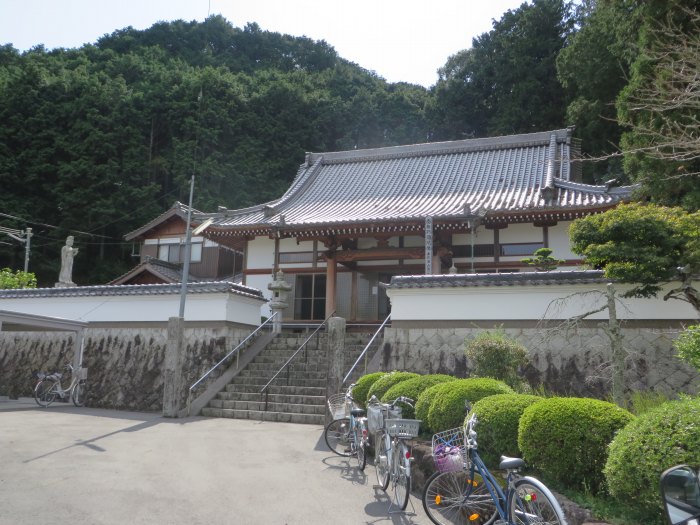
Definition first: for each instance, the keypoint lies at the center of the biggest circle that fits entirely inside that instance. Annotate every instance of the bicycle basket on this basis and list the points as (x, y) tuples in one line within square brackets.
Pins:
[(82, 373), (336, 405), (449, 451), (403, 428), (378, 413)]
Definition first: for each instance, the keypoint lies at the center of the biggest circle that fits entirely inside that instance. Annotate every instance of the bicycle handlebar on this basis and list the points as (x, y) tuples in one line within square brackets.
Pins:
[(401, 399)]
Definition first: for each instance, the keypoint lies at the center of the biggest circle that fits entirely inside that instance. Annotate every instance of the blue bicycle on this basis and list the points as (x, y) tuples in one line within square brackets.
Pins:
[(464, 492)]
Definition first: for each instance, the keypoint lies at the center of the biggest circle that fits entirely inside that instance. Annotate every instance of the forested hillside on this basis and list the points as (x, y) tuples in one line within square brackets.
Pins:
[(96, 141)]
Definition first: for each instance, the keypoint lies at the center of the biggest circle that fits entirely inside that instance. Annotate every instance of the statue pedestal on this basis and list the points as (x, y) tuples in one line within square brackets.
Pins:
[(61, 284)]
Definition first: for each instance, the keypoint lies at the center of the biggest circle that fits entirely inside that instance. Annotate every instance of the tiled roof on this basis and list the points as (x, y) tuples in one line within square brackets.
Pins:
[(134, 289), (176, 210), (166, 271), (501, 176), (498, 279)]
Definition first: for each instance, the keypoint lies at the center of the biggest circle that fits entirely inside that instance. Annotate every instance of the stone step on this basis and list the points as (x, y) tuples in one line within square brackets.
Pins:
[(316, 366), (272, 398), (254, 383), (279, 389), (280, 417), (259, 406), (260, 376)]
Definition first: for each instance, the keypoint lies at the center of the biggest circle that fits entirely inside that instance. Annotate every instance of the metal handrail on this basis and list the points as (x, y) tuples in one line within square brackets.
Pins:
[(285, 365), (237, 349), (352, 369)]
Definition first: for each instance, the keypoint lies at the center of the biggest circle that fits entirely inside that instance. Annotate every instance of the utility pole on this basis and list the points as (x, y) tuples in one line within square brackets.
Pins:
[(22, 236)]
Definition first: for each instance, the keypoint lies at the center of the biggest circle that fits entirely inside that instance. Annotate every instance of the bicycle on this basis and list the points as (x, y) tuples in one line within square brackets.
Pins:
[(392, 458), (347, 435), (463, 490), (49, 387)]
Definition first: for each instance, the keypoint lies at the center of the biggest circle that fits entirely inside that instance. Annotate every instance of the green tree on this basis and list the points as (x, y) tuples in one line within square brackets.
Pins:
[(660, 105), (506, 82), (646, 245), (17, 279), (542, 260), (688, 345), (593, 68)]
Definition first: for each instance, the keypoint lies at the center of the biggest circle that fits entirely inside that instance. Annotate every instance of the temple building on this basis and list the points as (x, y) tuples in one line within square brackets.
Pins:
[(351, 220)]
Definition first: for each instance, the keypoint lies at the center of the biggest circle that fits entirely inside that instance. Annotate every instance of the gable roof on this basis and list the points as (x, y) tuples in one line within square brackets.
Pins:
[(510, 176), (163, 271), (176, 210)]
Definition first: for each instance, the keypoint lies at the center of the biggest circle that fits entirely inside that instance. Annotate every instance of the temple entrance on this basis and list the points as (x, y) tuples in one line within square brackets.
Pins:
[(310, 297)]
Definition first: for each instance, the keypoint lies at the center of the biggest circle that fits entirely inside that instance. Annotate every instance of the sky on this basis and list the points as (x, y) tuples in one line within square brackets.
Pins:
[(400, 40)]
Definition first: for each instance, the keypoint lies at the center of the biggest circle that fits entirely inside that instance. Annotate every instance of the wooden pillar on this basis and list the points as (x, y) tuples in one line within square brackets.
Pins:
[(331, 272)]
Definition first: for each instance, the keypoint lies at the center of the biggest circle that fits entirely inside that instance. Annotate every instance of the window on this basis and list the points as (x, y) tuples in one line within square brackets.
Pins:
[(523, 248), (174, 252), (310, 297)]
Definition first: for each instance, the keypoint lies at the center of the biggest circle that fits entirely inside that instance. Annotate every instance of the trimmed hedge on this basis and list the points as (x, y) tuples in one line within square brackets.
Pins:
[(385, 382), (567, 439), (413, 388), (659, 439), (497, 425), (362, 386), (425, 399), (447, 407)]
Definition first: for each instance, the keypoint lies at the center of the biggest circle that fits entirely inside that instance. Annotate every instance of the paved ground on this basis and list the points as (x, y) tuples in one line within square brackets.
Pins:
[(67, 465)]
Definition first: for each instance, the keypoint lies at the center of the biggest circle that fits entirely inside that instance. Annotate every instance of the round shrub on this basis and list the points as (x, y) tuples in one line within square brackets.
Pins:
[(494, 354), (656, 440), (425, 399), (413, 388), (362, 386), (447, 408), (497, 425), (567, 439), (385, 382)]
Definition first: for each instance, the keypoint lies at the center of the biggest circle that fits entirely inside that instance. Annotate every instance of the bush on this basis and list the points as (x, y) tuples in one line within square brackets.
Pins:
[(567, 439), (425, 399), (659, 439), (497, 425), (385, 382), (413, 388), (688, 345), (495, 355), (447, 408), (359, 393)]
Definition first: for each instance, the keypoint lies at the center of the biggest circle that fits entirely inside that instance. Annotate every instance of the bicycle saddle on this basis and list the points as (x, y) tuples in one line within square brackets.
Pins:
[(511, 463), (358, 412)]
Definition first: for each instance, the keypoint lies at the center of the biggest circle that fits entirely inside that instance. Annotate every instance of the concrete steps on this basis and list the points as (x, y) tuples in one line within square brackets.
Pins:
[(295, 397)]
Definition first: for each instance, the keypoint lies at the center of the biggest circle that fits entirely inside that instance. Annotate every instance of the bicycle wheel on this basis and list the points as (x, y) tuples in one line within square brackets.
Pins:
[(381, 461), (79, 394), (360, 446), (533, 503), (401, 476), (44, 393), (338, 438), (454, 498)]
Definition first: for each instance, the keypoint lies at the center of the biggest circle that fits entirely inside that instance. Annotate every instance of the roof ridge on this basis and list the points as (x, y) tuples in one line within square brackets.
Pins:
[(439, 148)]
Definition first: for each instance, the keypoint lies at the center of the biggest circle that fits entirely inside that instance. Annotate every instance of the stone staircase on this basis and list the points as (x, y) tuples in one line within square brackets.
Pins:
[(296, 396)]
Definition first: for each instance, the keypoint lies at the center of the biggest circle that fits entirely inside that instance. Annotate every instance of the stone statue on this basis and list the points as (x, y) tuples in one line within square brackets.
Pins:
[(65, 277)]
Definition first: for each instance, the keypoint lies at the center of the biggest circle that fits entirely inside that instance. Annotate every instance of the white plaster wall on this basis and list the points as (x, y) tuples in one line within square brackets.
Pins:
[(559, 241), (364, 243), (413, 241), (520, 233), (260, 282), (141, 308), (260, 253), (290, 245), (524, 303)]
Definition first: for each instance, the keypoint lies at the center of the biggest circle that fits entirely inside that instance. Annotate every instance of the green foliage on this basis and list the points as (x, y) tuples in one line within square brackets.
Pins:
[(104, 138), (688, 345), (497, 425), (422, 408), (413, 388), (17, 279), (359, 393), (542, 260), (495, 355), (506, 81), (567, 439), (447, 409), (655, 441), (640, 244), (384, 383)]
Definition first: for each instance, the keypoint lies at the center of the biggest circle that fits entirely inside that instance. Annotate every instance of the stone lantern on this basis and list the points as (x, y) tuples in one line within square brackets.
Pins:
[(280, 288)]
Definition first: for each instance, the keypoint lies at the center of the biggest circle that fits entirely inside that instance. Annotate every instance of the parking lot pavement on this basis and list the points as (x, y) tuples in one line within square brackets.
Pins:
[(68, 465)]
